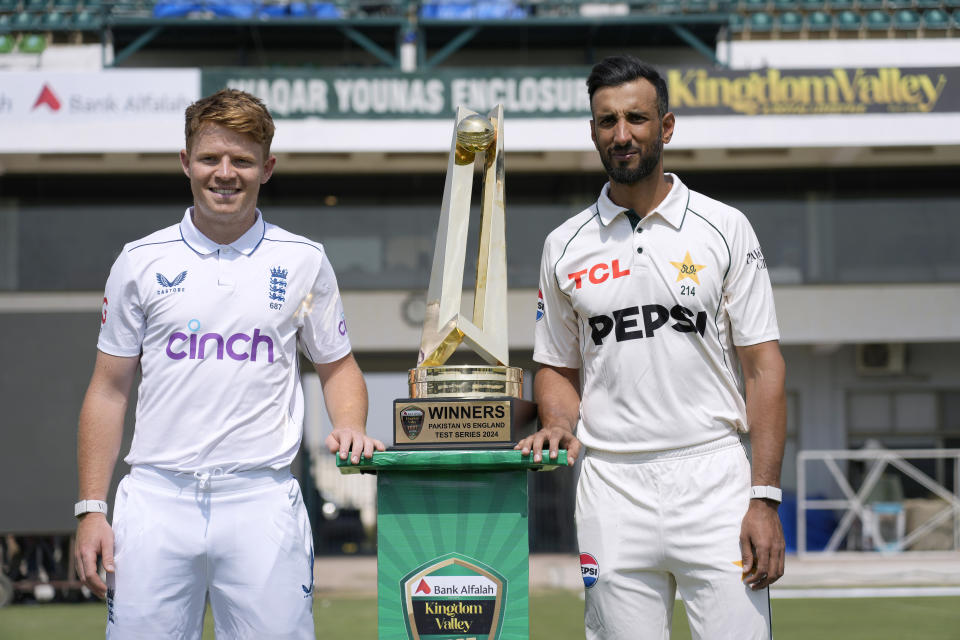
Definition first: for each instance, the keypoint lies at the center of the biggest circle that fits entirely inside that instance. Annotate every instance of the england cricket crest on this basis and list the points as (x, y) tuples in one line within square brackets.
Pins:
[(411, 420), (453, 597)]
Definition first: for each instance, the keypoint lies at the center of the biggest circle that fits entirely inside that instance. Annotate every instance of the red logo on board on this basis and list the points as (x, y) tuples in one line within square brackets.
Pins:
[(423, 587), (47, 97)]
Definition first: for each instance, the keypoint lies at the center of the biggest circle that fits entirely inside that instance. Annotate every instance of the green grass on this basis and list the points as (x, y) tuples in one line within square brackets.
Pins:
[(555, 616)]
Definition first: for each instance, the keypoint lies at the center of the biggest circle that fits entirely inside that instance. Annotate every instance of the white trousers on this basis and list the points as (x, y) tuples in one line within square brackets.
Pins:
[(241, 542), (653, 523)]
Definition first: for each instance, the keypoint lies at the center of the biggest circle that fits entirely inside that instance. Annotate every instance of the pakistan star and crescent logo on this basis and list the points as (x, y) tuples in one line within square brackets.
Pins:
[(687, 269)]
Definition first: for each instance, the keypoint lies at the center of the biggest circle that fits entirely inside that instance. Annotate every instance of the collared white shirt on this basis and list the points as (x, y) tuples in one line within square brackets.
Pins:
[(651, 317), (217, 329)]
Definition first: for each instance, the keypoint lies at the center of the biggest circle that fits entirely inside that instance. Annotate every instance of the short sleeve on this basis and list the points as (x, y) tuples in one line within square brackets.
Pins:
[(322, 325), (122, 320), (556, 341), (748, 294)]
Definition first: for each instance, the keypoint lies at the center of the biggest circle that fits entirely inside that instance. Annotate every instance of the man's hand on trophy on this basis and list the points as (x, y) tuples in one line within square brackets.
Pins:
[(344, 440), (554, 439)]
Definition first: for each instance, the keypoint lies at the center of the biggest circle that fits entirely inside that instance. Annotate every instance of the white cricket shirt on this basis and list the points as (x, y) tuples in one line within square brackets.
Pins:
[(652, 316), (217, 329)]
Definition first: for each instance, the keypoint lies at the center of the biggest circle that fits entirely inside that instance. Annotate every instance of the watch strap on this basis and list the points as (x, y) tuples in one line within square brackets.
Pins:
[(766, 492), (89, 506)]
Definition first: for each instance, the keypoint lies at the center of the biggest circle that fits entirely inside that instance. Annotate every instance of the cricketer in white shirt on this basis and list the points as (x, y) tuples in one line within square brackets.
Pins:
[(218, 327), (213, 311), (652, 303)]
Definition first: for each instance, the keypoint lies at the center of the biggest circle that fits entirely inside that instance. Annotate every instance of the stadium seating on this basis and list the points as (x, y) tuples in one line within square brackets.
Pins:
[(760, 23), (936, 20), (695, 6), (790, 22), (753, 5), (736, 23), (906, 20), (32, 43), (820, 22), (849, 22), (53, 20), (7, 42), (749, 18), (86, 21), (23, 21), (877, 21)]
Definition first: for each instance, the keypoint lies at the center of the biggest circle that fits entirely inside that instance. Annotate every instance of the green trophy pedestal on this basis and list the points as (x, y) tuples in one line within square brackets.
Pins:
[(452, 543)]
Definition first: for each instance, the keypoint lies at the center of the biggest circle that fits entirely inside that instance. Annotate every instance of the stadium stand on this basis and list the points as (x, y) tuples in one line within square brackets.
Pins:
[(127, 20)]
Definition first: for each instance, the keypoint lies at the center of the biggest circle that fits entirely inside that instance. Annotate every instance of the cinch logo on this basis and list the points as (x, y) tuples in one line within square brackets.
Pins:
[(48, 98), (239, 346), (622, 322), (589, 570), (598, 273)]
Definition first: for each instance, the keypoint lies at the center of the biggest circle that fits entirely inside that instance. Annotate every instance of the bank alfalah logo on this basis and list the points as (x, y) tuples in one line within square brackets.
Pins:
[(47, 97), (170, 286)]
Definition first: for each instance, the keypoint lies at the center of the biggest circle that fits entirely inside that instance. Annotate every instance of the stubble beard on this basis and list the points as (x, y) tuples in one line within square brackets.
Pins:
[(627, 175)]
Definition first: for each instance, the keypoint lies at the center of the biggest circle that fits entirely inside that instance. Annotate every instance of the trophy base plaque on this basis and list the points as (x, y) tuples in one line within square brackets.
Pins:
[(468, 407)]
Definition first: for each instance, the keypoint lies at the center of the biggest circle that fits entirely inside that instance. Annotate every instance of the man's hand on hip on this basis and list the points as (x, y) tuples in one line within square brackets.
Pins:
[(94, 538), (761, 544)]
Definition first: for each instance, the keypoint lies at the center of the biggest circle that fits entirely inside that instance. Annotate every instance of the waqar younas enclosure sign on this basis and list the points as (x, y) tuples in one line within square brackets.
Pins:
[(560, 92)]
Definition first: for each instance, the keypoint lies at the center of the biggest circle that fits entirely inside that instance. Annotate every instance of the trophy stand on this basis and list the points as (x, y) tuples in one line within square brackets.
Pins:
[(452, 540)]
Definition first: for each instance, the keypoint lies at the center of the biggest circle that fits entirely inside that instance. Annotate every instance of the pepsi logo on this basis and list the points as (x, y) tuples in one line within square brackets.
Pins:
[(589, 570), (539, 304)]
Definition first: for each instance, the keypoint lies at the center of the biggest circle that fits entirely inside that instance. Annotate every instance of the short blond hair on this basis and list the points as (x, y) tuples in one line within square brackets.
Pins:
[(234, 109)]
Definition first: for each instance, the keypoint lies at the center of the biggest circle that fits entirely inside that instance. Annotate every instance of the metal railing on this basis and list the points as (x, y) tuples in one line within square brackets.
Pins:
[(856, 503)]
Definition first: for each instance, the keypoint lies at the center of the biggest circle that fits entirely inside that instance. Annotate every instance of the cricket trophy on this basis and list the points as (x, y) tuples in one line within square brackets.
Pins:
[(469, 406), (452, 492)]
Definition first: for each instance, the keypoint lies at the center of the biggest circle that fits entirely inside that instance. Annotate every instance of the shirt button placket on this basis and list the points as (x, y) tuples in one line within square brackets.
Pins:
[(225, 267), (635, 223)]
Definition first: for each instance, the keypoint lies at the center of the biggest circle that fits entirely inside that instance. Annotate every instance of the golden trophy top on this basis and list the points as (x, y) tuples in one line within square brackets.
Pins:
[(475, 133)]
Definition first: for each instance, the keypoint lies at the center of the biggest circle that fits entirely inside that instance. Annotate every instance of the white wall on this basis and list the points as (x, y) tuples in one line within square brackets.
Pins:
[(827, 54)]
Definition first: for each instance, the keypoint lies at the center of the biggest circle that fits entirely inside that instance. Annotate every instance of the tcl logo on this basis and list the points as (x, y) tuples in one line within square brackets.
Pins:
[(625, 324), (598, 273)]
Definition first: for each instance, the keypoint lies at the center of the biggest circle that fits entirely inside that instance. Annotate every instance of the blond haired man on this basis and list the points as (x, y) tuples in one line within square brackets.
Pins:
[(213, 311)]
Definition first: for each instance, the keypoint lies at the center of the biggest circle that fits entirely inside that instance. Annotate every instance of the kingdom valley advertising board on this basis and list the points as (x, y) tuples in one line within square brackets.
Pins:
[(347, 110), (561, 92)]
